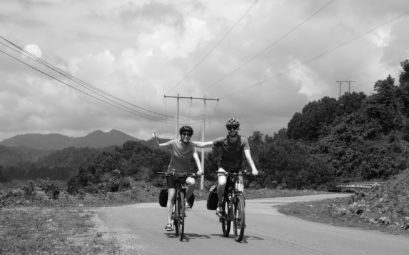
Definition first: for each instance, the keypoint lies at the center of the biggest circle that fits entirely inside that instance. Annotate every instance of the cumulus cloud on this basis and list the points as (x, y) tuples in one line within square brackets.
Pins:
[(278, 57)]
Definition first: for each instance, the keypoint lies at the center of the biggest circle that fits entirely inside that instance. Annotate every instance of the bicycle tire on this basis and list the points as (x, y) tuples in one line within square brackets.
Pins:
[(176, 215), (225, 220), (181, 215), (239, 219)]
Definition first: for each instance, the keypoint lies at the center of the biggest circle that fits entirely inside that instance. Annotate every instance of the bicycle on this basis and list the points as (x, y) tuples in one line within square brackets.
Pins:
[(178, 214), (234, 205)]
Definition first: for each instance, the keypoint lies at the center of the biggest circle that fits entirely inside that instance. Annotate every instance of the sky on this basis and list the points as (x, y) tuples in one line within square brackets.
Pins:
[(73, 67)]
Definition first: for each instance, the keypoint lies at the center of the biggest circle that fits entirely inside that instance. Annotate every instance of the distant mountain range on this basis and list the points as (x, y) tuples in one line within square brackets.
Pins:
[(52, 142)]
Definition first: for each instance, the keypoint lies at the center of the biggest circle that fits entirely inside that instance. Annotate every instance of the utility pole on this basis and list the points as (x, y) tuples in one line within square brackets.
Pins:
[(203, 127), (349, 86)]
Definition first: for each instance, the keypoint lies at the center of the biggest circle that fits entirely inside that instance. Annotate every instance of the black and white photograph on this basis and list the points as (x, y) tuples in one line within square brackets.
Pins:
[(205, 127)]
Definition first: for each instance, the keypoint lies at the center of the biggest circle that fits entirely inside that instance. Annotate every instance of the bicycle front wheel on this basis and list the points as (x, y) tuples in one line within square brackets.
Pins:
[(225, 219), (176, 217), (239, 222), (181, 215)]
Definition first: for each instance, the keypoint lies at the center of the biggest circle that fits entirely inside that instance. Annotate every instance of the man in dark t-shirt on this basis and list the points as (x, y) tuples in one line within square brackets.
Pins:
[(234, 147)]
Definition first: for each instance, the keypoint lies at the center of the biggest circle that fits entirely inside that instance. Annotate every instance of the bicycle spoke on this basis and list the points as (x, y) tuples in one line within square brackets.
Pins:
[(182, 214), (239, 218), (225, 220), (176, 219)]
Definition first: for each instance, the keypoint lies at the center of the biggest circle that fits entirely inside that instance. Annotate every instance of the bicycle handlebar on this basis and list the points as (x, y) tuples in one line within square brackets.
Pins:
[(245, 172), (193, 175)]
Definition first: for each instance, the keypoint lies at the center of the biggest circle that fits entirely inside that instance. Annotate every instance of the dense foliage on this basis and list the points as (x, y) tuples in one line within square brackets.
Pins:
[(358, 137), (353, 138), (59, 165), (110, 171)]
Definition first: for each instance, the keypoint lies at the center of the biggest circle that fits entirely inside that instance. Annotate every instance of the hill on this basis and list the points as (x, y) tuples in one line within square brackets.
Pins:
[(59, 165), (11, 156), (27, 163), (51, 142)]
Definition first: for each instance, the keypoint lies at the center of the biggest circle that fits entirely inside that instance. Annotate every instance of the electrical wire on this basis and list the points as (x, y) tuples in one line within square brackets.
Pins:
[(109, 99), (214, 47), (318, 56), (258, 54), (86, 93), (73, 78)]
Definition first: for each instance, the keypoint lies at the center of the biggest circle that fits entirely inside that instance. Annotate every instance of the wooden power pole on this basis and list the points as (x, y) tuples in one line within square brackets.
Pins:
[(203, 124)]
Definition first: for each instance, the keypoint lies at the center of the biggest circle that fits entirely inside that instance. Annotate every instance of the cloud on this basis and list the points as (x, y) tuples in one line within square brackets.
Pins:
[(33, 50), (268, 66)]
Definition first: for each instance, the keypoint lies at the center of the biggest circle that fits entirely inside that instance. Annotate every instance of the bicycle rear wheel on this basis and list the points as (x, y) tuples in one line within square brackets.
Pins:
[(181, 214), (239, 219), (225, 219)]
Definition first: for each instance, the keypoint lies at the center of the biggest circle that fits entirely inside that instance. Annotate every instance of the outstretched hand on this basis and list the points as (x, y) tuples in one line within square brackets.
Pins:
[(155, 138)]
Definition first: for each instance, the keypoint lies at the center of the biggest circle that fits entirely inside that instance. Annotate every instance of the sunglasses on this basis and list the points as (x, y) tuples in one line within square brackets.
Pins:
[(232, 128), (186, 134)]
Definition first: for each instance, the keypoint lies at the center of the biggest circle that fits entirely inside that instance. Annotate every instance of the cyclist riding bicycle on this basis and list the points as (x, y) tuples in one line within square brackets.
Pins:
[(181, 151), (233, 146)]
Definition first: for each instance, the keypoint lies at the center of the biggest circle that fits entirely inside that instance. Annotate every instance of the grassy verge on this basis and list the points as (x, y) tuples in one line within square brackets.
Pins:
[(337, 212), (34, 230)]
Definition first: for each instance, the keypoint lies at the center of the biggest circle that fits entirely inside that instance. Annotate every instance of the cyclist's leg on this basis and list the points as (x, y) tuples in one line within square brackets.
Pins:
[(221, 185), (190, 184), (171, 199), (241, 181), (171, 202)]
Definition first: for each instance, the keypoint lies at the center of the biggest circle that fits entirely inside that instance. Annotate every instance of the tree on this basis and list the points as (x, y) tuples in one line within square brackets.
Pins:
[(309, 124), (352, 102), (2, 177), (384, 105)]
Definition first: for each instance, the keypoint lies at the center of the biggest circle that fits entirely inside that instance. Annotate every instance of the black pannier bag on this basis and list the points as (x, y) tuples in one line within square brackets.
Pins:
[(191, 200), (163, 197), (212, 200)]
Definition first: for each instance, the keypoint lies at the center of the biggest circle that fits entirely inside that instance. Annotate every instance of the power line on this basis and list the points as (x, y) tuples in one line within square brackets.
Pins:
[(71, 77), (214, 47), (86, 93), (109, 99), (268, 46), (318, 56)]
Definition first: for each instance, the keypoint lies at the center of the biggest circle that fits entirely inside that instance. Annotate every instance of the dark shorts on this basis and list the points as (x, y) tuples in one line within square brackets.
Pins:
[(173, 179)]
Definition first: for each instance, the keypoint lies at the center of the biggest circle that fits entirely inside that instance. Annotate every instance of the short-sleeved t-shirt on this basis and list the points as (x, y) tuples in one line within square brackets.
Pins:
[(180, 155), (232, 153)]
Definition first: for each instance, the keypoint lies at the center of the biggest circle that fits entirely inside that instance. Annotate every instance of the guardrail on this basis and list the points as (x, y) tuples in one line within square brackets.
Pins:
[(358, 186)]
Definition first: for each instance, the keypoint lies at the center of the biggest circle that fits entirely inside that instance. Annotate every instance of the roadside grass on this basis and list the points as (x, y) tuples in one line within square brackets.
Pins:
[(335, 212), (383, 207), (34, 230)]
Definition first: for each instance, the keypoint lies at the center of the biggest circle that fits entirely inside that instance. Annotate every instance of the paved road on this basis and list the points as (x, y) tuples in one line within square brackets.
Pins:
[(140, 230)]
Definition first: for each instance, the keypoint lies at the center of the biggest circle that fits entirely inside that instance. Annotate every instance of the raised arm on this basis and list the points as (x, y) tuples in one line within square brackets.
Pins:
[(197, 160), (155, 139), (247, 153), (203, 144)]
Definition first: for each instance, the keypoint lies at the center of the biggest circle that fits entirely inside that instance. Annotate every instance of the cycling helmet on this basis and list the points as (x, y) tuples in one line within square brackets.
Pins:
[(188, 129), (233, 122)]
